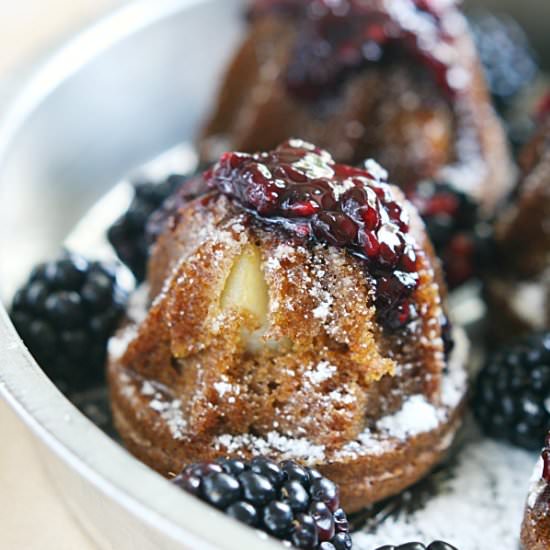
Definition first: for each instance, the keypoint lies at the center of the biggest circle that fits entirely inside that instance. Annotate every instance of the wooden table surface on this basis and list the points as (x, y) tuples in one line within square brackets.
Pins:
[(29, 27), (32, 515)]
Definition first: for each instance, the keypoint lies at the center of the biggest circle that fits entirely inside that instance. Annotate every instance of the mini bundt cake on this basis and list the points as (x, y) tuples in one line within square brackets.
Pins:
[(535, 530), (518, 290), (296, 310), (406, 70)]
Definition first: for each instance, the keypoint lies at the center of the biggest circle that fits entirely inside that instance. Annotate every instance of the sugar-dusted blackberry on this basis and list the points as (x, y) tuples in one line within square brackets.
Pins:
[(288, 501), (127, 234), (508, 60), (65, 313), (511, 401), (436, 545)]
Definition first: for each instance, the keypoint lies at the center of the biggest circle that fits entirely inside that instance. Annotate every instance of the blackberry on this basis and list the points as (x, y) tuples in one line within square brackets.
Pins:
[(451, 219), (436, 545), (290, 502), (511, 400), (127, 235), (543, 107), (507, 57), (65, 313)]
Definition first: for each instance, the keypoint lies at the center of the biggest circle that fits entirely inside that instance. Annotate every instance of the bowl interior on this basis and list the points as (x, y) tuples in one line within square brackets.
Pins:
[(124, 91), (112, 99)]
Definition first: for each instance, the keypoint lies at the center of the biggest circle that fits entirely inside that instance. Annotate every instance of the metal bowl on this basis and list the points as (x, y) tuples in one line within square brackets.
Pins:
[(125, 90)]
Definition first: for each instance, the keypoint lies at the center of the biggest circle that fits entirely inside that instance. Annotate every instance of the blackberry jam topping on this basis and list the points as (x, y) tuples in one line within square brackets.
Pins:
[(338, 38), (301, 188)]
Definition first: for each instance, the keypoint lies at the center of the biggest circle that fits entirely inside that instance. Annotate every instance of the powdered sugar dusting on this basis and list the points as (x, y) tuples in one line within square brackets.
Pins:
[(322, 310), (338, 189), (339, 396), (128, 389), (376, 170), (171, 413), (147, 388), (159, 400), (322, 372), (222, 388), (416, 416), (536, 484), (367, 443), (288, 447), (479, 507), (321, 295), (136, 312), (455, 381), (118, 344)]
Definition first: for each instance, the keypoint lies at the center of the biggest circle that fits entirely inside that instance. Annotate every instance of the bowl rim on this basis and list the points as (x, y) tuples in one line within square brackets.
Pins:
[(52, 418)]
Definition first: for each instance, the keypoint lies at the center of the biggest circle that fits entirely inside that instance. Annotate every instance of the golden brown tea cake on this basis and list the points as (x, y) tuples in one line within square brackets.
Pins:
[(518, 288), (395, 80), (296, 310)]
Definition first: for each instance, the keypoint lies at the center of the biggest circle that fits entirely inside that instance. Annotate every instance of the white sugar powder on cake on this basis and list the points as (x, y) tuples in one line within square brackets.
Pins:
[(171, 413), (416, 416), (288, 447), (222, 388), (536, 484), (322, 372)]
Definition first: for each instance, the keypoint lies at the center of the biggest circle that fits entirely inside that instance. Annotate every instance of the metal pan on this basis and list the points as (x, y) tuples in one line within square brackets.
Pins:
[(128, 88)]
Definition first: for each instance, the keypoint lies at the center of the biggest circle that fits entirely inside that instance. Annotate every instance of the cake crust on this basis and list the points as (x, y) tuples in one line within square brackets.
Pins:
[(535, 529), (376, 465)]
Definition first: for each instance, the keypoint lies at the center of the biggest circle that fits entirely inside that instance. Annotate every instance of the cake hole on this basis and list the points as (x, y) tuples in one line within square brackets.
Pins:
[(175, 364)]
